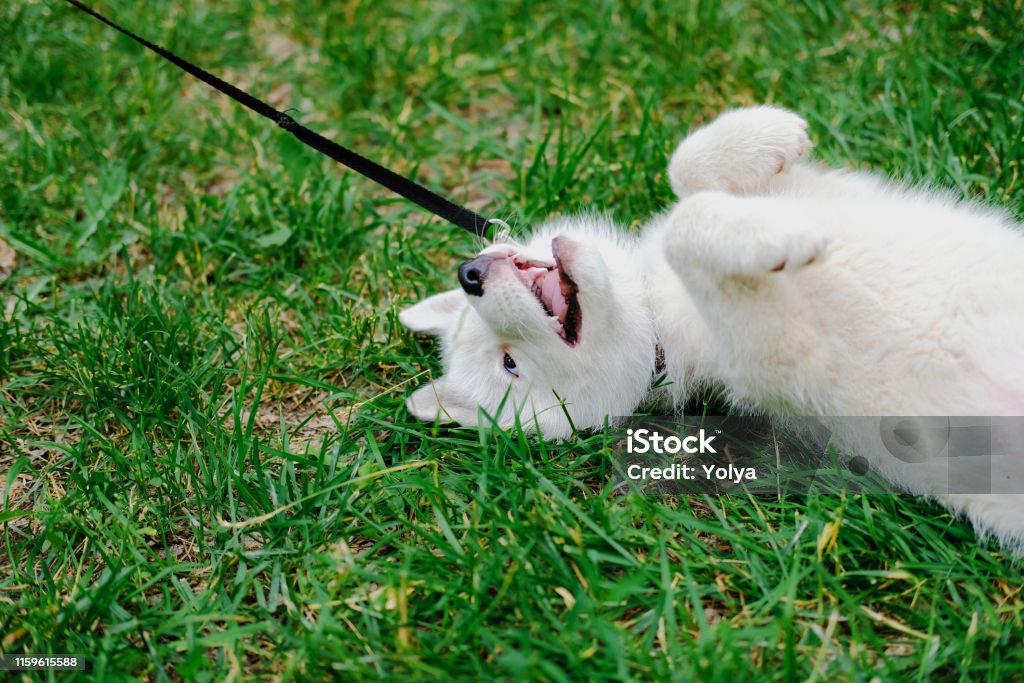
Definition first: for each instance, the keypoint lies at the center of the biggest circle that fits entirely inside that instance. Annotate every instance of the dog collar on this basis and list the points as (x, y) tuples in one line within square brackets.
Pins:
[(659, 360)]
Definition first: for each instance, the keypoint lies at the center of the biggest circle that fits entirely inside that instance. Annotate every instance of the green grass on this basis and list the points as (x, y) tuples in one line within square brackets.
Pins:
[(206, 469)]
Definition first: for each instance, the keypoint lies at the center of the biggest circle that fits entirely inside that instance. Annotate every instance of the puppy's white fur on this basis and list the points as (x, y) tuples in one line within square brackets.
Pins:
[(795, 289)]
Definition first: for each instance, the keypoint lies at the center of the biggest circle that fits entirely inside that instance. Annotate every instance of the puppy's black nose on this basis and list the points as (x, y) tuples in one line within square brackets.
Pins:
[(472, 274)]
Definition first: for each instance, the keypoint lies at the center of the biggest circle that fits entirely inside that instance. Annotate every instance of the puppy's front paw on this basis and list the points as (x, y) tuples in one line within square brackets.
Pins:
[(785, 249), (740, 152), (729, 236), (783, 138)]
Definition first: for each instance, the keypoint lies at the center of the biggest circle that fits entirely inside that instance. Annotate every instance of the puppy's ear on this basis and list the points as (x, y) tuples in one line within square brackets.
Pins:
[(436, 401), (434, 315)]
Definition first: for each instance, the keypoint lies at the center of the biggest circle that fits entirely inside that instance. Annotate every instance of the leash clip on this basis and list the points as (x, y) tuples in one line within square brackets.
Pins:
[(285, 121), (503, 232)]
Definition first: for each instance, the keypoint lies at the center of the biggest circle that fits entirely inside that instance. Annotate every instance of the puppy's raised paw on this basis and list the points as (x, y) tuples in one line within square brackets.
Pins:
[(728, 236), (740, 152), (785, 136), (789, 251)]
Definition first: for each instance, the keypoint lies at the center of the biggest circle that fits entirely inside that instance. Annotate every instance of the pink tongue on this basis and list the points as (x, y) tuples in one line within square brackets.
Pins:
[(551, 292)]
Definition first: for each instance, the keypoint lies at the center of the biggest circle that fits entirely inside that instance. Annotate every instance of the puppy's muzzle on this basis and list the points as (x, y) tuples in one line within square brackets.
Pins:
[(472, 274)]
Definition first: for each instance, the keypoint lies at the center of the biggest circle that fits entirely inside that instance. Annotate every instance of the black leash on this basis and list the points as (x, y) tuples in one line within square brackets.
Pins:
[(414, 192)]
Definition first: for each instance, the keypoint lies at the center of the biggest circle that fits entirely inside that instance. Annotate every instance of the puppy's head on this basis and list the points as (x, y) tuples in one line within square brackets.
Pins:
[(556, 331)]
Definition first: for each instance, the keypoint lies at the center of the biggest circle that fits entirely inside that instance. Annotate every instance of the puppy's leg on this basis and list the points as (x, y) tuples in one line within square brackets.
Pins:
[(744, 262), (741, 152), (714, 236)]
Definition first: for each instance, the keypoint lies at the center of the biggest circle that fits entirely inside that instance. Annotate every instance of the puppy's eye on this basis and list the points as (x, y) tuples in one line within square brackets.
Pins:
[(510, 366)]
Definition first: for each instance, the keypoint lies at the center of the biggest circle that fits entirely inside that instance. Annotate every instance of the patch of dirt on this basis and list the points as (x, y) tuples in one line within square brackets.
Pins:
[(306, 417), (8, 260)]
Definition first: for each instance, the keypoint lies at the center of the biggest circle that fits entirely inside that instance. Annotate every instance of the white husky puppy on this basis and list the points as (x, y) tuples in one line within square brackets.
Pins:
[(796, 290)]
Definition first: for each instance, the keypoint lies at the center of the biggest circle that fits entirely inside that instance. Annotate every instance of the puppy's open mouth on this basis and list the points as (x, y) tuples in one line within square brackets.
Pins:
[(556, 292)]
